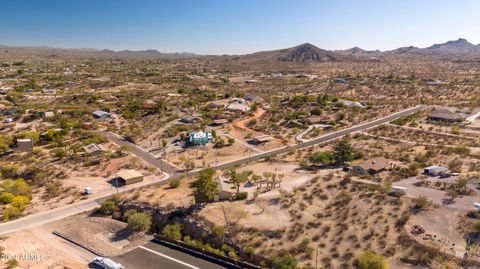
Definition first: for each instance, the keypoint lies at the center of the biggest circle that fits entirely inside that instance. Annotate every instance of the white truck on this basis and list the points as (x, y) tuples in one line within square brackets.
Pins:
[(106, 263)]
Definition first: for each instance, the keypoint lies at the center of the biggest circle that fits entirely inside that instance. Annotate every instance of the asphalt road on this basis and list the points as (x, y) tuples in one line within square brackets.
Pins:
[(175, 172), (155, 256), (141, 153)]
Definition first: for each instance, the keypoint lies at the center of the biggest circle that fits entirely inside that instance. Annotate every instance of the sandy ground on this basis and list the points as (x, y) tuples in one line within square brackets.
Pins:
[(102, 234)]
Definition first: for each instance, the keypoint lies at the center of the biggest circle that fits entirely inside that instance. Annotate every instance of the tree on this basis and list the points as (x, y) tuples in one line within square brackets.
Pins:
[(239, 178), (139, 221), (321, 157), (343, 152), (205, 187), (173, 231), (371, 260), (164, 142), (285, 261)]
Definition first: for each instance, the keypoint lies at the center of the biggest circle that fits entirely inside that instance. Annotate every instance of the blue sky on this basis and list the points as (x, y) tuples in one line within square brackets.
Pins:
[(236, 26)]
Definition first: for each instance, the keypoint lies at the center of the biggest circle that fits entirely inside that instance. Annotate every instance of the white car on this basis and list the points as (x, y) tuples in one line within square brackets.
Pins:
[(7, 120), (106, 263)]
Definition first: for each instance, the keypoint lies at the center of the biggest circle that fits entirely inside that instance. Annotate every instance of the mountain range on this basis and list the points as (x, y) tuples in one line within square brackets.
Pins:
[(304, 53)]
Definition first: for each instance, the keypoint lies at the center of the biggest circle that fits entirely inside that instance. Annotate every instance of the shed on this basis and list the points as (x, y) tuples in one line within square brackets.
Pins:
[(372, 166), (24, 144), (435, 170), (443, 114), (129, 176), (99, 114), (225, 189), (238, 107), (93, 148), (46, 114)]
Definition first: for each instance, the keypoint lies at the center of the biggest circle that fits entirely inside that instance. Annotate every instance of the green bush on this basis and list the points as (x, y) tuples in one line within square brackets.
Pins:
[(241, 196), (139, 221), (285, 261), (6, 198), (174, 183), (110, 206), (173, 231), (10, 212), (371, 260)]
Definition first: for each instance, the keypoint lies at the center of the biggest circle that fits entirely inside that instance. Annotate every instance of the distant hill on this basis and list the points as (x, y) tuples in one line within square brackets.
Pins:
[(90, 53), (454, 47), (307, 53)]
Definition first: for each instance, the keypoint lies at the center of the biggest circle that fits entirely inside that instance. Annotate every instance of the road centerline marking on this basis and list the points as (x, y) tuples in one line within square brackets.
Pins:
[(168, 257)]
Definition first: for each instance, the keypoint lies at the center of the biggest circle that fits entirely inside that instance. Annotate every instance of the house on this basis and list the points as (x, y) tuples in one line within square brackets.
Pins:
[(93, 148), (48, 91), (46, 114), (128, 176), (238, 100), (238, 107), (253, 98), (261, 139), (199, 138), (435, 170), (348, 103), (314, 119), (101, 115), (372, 166), (24, 144), (190, 119), (226, 190), (219, 122), (445, 115)]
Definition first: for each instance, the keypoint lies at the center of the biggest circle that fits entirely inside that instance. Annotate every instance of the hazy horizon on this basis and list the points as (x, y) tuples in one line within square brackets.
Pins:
[(236, 27)]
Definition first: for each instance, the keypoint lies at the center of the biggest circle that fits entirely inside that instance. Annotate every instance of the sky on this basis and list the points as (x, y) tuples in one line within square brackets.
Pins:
[(236, 26)]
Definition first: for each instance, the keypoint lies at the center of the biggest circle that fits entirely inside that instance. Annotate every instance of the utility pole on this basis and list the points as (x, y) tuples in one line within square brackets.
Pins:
[(316, 259)]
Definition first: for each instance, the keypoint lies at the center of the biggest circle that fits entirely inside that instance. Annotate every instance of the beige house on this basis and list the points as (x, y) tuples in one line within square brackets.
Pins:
[(372, 166), (129, 176)]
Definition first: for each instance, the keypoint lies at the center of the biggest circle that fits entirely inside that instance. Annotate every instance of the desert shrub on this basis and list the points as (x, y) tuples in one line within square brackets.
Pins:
[(241, 196), (54, 189), (173, 231), (109, 206), (20, 202), (371, 260), (6, 198), (128, 213), (139, 221), (285, 261), (476, 226), (10, 212), (421, 202), (16, 187), (174, 183), (218, 231)]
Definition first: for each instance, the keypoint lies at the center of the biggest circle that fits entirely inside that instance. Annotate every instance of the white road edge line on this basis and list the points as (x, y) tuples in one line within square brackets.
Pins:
[(168, 257)]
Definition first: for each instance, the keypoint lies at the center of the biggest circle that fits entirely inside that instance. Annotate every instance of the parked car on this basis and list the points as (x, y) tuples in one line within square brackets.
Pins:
[(106, 263), (9, 120)]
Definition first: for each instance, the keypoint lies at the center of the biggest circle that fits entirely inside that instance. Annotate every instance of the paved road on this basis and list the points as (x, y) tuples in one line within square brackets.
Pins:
[(175, 172), (155, 256), (141, 153)]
